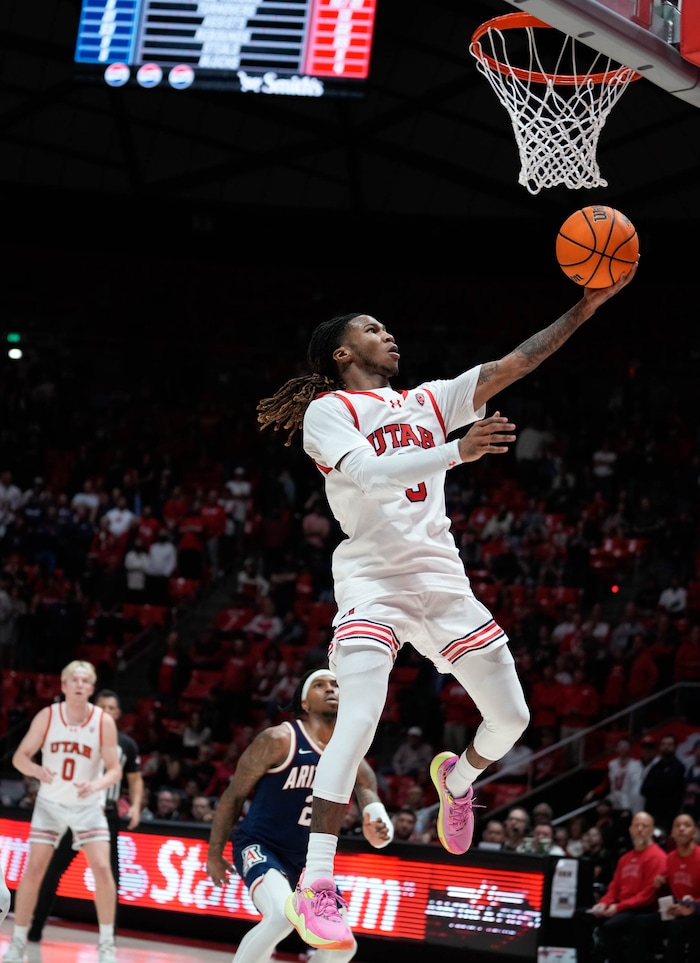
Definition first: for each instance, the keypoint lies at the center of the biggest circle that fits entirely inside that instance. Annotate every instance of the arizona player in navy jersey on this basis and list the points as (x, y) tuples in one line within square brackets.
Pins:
[(269, 843)]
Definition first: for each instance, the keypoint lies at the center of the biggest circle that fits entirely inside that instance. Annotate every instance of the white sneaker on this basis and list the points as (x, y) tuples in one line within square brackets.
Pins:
[(106, 952), (15, 952)]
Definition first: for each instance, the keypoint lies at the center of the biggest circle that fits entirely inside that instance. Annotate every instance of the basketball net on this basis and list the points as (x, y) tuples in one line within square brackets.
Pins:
[(557, 116)]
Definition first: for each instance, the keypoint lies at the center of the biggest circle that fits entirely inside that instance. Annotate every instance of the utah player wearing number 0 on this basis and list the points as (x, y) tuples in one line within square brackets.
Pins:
[(398, 576), (79, 760), (269, 843)]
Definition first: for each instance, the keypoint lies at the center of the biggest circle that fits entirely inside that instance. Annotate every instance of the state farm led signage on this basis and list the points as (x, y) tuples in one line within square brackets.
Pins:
[(445, 903)]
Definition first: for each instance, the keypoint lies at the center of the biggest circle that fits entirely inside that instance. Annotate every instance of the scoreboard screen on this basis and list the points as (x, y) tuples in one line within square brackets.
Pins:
[(297, 48)]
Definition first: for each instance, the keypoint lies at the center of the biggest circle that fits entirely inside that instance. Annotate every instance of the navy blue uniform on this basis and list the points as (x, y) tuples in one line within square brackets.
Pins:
[(274, 833)]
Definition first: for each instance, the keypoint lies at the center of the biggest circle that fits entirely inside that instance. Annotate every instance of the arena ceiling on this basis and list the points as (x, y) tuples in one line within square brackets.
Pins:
[(421, 174), (429, 140)]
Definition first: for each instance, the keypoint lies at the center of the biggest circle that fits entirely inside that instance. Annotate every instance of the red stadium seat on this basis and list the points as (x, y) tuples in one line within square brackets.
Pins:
[(146, 615), (200, 685), (181, 589)]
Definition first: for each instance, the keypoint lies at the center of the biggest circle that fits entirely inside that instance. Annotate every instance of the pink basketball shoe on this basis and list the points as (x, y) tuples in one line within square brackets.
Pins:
[(314, 912), (455, 821)]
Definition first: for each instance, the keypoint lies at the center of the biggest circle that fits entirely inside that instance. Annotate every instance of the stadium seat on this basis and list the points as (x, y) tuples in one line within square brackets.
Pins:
[(146, 615), (181, 589), (199, 686)]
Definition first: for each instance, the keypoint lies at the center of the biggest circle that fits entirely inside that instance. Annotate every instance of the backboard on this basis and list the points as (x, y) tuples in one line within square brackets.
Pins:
[(656, 39)]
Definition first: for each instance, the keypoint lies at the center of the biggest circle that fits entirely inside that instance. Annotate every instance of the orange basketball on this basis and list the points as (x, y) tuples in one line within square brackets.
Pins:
[(595, 245)]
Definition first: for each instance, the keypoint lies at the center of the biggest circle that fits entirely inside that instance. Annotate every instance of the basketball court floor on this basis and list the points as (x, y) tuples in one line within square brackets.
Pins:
[(63, 943)]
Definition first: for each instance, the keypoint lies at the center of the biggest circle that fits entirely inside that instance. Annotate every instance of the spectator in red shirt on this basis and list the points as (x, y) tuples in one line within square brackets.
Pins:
[(276, 533), (547, 701), (223, 770), (213, 515), (613, 695), (679, 935), (580, 708), (175, 507), (686, 663), (632, 892), (190, 545), (664, 641), (107, 557), (147, 526), (170, 672), (643, 673)]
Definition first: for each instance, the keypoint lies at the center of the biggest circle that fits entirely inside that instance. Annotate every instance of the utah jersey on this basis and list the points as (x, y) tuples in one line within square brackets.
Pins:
[(405, 543), (73, 753), (280, 812)]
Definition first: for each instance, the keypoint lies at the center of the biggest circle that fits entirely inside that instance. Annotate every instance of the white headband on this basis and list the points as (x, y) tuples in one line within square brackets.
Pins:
[(314, 675)]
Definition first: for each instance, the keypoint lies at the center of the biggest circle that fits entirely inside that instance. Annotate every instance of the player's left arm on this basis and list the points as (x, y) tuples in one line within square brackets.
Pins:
[(267, 750), (497, 375), (377, 828), (109, 751)]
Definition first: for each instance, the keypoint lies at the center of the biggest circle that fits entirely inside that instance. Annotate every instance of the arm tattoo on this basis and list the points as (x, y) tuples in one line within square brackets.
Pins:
[(533, 351), (366, 785), (546, 342)]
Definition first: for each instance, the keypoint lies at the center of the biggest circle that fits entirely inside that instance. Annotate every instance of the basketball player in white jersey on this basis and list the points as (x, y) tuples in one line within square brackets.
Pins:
[(79, 760), (397, 575), (5, 897)]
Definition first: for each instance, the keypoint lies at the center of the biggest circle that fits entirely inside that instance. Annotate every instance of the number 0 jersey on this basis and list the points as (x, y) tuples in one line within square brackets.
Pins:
[(396, 541), (73, 753), (280, 811)]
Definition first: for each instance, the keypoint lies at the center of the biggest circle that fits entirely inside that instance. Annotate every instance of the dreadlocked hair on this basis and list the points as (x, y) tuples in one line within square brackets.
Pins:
[(286, 408)]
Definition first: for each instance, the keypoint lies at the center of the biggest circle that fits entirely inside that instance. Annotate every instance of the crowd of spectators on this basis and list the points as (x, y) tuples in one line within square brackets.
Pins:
[(115, 504)]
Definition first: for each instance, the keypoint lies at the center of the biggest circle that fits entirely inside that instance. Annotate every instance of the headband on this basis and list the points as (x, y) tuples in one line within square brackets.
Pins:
[(314, 675)]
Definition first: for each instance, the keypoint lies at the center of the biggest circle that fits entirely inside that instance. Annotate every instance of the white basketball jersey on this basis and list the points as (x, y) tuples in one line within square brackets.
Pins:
[(73, 753), (396, 541)]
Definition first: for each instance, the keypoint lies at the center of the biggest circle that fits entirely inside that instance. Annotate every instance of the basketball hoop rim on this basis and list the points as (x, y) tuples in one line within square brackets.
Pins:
[(522, 19)]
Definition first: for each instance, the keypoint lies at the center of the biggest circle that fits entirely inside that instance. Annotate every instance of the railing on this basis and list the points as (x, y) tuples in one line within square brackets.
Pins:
[(589, 746)]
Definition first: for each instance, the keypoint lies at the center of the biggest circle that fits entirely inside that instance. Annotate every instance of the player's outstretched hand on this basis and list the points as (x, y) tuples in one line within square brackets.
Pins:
[(219, 869), (377, 832), (490, 436), (597, 296)]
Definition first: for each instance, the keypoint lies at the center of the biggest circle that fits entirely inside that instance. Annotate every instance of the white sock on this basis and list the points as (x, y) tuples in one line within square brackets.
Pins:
[(461, 777), (20, 933), (106, 933), (320, 857)]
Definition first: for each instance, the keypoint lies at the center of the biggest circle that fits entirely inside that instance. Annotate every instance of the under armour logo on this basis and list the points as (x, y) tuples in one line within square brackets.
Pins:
[(395, 403)]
